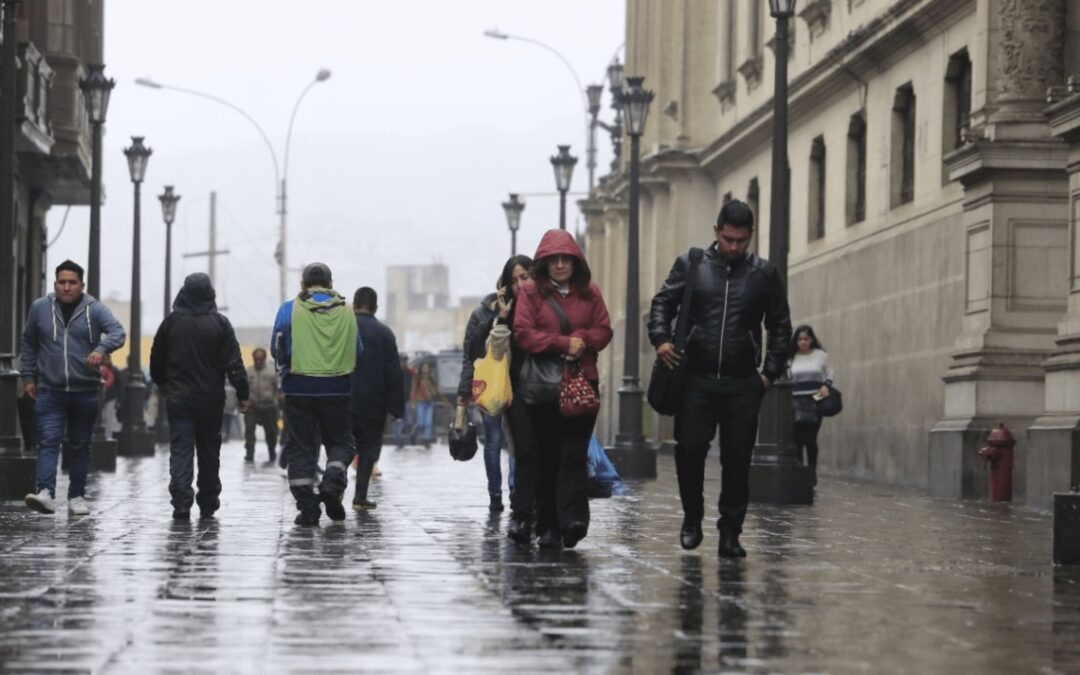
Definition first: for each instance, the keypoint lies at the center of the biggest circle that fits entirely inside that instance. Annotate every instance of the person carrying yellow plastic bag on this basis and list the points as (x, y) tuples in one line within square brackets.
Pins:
[(491, 387)]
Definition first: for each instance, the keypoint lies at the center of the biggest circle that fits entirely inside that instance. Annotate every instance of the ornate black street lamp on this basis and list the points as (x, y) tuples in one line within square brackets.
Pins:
[(168, 213), (633, 457), (97, 90), (593, 93), (513, 209), (134, 438), (777, 474), (563, 164)]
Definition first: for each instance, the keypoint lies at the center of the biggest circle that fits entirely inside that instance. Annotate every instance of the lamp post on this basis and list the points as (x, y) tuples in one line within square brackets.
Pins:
[(615, 84), (776, 473), (97, 90), (168, 213), (134, 438), (563, 164), (280, 173), (513, 209), (593, 93), (633, 457)]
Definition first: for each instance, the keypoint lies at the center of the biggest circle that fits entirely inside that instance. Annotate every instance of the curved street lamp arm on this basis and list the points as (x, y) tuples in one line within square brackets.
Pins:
[(566, 62), (292, 118), (236, 108)]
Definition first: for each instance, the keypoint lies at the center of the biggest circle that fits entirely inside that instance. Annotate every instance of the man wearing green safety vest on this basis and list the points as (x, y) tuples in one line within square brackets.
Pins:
[(315, 345)]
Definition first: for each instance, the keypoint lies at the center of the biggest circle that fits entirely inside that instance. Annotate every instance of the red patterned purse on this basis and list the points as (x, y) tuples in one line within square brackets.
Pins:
[(577, 398)]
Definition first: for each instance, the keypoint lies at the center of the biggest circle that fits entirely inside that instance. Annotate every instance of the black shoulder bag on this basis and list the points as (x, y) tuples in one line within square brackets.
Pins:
[(541, 374), (666, 386)]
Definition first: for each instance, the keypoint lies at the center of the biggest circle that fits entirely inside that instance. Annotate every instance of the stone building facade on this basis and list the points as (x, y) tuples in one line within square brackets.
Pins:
[(933, 244)]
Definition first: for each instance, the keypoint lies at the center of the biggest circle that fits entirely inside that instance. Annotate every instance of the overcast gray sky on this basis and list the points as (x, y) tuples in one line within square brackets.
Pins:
[(402, 157)]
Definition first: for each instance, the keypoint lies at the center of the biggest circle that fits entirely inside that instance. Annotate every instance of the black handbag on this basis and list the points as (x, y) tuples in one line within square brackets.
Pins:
[(542, 374), (832, 404), (462, 442), (666, 385), (805, 409)]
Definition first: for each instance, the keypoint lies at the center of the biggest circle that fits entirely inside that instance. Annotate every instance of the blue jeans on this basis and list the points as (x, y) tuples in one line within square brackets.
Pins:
[(73, 412), (195, 437), (494, 440), (425, 420)]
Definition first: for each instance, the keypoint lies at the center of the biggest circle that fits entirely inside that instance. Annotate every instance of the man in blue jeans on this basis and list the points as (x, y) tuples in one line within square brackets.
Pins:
[(194, 350), (67, 334)]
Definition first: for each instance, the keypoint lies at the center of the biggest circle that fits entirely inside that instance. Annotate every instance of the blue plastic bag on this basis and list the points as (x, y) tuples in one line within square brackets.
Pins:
[(604, 480)]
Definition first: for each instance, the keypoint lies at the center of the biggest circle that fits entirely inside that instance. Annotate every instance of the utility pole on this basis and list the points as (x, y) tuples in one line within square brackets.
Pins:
[(212, 253)]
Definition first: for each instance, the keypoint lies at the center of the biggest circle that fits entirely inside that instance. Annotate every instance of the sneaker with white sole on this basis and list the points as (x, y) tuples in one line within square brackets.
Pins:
[(77, 507), (41, 502)]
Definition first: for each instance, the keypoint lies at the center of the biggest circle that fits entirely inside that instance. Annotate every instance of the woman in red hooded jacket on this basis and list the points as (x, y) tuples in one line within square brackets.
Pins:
[(561, 274)]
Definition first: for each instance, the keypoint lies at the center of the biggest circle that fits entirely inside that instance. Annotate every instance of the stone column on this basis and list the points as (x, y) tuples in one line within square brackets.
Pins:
[(1053, 462), (1016, 261)]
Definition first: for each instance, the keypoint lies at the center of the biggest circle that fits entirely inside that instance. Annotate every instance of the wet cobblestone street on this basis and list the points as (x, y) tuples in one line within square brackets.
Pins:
[(871, 579)]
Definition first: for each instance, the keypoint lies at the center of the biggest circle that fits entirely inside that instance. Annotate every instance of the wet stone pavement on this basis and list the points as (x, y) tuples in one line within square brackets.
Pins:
[(871, 579)]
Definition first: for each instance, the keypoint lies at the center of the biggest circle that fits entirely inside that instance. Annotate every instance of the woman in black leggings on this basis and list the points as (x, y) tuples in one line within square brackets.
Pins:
[(811, 377)]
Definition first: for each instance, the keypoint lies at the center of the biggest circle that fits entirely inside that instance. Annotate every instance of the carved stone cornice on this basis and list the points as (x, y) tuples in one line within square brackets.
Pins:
[(751, 70), (725, 93), (974, 161), (816, 14), (1064, 118)]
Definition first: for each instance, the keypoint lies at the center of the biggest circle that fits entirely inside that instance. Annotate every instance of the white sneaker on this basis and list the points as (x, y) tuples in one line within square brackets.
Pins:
[(42, 501), (77, 507)]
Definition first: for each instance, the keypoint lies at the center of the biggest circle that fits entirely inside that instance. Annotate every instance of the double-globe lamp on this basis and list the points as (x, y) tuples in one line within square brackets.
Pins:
[(563, 164)]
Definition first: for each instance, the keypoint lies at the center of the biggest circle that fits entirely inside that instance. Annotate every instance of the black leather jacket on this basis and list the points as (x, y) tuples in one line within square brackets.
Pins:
[(730, 301)]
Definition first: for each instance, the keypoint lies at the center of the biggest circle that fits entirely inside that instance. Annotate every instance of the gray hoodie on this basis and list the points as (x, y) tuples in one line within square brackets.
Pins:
[(54, 355)]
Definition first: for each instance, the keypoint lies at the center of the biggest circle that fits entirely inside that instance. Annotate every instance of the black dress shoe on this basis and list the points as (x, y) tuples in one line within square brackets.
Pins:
[(549, 540), (307, 519), (574, 533), (690, 535), (729, 546), (181, 514), (335, 510), (519, 531), (496, 505)]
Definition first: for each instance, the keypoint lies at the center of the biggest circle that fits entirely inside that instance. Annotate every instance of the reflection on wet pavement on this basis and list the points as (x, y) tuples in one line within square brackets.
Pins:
[(871, 579)]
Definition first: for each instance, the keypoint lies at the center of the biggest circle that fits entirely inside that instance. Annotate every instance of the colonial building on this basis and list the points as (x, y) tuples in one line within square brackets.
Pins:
[(56, 41), (933, 223)]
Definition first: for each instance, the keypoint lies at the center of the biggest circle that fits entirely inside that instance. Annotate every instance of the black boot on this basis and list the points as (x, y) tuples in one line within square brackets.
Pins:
[(690, 535), (550, 540), (729, 545), (308, 518), (496, 505), (574, 533), (519, 530)]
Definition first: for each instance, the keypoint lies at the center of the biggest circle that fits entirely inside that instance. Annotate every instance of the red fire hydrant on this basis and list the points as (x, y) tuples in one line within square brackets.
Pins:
[(999, 453)]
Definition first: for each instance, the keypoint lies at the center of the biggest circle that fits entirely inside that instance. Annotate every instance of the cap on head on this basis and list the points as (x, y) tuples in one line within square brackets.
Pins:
[(316, 274)]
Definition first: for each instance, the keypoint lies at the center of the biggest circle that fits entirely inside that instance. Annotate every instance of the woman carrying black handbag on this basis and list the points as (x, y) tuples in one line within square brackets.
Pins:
[(812, 380)]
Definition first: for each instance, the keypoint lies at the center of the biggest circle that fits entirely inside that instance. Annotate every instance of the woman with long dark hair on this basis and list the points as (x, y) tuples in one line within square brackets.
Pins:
[(811, 377), (491, 320), (561, 292)]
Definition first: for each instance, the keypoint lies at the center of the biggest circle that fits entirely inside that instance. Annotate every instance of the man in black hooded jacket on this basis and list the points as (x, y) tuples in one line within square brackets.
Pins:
[(194, 350)]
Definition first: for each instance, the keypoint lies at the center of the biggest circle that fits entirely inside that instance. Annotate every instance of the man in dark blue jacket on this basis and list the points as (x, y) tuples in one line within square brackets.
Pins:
[(377, 389)]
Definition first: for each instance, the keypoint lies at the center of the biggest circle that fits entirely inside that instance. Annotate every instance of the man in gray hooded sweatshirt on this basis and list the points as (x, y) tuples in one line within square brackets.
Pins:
[(67, 334), (194, 350)]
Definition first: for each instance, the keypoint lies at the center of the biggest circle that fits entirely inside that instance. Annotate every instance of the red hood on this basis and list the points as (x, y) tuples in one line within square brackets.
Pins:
[(558, 242)]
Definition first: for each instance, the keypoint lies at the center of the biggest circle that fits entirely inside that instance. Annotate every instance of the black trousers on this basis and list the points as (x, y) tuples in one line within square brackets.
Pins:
[(312, 419), (195, 435), (562, 452), (265, 417), (526, 469), (806, 437), (733, 405), (369, 436)]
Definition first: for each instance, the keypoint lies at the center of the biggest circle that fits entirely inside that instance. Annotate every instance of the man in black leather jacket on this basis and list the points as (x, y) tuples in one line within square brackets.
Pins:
[(734, 293)]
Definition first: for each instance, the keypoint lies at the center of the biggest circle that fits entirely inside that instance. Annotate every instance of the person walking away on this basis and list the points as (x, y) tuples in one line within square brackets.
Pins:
[(377, 390), (425, 391), (811, 379), (67, 335), (734, 293), (489, 324), (403, 427), (562, 284), (315, 345), (194, 351), (262, 406)]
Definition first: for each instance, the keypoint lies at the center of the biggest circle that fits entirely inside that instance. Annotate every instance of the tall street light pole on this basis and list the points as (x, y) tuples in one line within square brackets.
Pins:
[(776, 473), (593, 93), (590, 136), (280, 176), (631, 454), (513, 209), (134, 439), (168, 201), (563, 164), (615, 84)]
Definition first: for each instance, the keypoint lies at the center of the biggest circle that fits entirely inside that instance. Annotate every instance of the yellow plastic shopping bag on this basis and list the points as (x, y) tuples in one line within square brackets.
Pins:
[(491, 389)]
